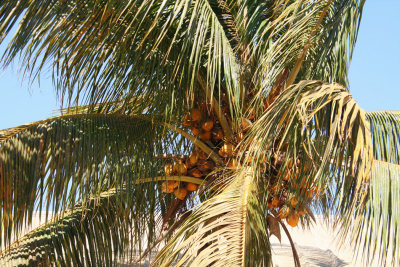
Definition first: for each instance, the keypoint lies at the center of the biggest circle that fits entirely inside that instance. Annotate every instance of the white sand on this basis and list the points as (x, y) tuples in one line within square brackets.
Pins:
[(316, 247)]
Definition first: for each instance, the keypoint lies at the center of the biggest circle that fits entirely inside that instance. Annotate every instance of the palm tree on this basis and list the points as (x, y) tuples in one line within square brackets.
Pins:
[(194, 130)]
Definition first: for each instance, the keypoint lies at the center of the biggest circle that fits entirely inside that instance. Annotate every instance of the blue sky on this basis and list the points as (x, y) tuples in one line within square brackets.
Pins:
[(374, 72)]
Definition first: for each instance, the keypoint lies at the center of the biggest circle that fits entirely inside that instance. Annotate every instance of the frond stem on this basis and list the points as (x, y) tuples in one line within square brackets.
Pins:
[(300, 60), (171, 178), (217, 108), (197, 143), (294, 251)]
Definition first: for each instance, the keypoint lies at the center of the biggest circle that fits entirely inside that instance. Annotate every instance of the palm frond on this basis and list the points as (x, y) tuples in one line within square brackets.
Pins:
[(385, 127), (377, 227), (313, 40), (230, 228), (107, 51), (92, 234), (322, 129), (51, 164), (376, 235)]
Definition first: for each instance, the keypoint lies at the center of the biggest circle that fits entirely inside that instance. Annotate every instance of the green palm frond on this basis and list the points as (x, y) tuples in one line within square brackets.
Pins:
[(329, 60), (302, 40), (229, 229), (321, 127), (51, 164), (385, 198), (92, 234), (107, 51), (376, 235), (378, 226), (385, 127)]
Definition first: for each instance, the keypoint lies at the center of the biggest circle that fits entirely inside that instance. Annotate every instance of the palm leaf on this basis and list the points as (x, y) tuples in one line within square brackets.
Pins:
[(230, 228), (107, 51), (385, 128), (376, 235), (51, 164), (91, 234), (377, 226), (322, 128), (301, 40)]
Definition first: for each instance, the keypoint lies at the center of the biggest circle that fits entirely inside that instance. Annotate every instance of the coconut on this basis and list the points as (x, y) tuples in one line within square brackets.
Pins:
[(275, 202), (202, 154), (169, 169), (208, 125), (240, 136), (233, 163), (193, 158), (166, 188), (205, 165), (173, 183), (246, 124), (293, 201), (205, 136), (292, 219), (226, 150), (196, 173), (196, 115), (218, 134), (180, 168), (283, 212), (187, 120), (195, 131), (191, 187), (180, 193)]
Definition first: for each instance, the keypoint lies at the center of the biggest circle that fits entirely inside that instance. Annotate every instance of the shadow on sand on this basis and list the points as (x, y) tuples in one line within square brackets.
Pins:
[(309, 256)]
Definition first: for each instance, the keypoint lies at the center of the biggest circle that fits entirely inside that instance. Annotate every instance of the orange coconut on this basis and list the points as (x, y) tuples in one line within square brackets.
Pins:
[(292, 219), (196, 115), (208, 125), (195, 131), (218, 134), (167, 188), (180, 193), (191, 187), (205, 136)]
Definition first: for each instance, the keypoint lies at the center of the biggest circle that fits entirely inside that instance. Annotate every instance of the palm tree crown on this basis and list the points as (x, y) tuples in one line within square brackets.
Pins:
[(193, 129)]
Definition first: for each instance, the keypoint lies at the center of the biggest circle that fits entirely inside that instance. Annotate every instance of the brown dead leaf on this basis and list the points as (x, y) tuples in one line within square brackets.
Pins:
[(274, 228)]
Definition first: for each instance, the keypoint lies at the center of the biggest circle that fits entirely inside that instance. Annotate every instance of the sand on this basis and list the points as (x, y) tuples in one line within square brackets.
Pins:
[(316, 246)]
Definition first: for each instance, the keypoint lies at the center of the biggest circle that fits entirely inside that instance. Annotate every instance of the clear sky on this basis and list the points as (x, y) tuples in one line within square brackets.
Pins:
[(374, 72)]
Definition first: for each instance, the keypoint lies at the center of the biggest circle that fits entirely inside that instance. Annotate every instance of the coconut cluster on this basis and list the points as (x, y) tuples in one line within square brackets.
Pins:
[(203, 124), (196, 165), (282, 185)]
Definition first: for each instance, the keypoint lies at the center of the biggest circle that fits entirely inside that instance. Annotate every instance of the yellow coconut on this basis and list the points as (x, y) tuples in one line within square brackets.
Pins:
[(169, 169), (180, 168)]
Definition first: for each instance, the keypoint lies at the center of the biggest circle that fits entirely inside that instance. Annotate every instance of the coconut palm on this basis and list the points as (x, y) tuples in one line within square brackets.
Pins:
[(193, 130)]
